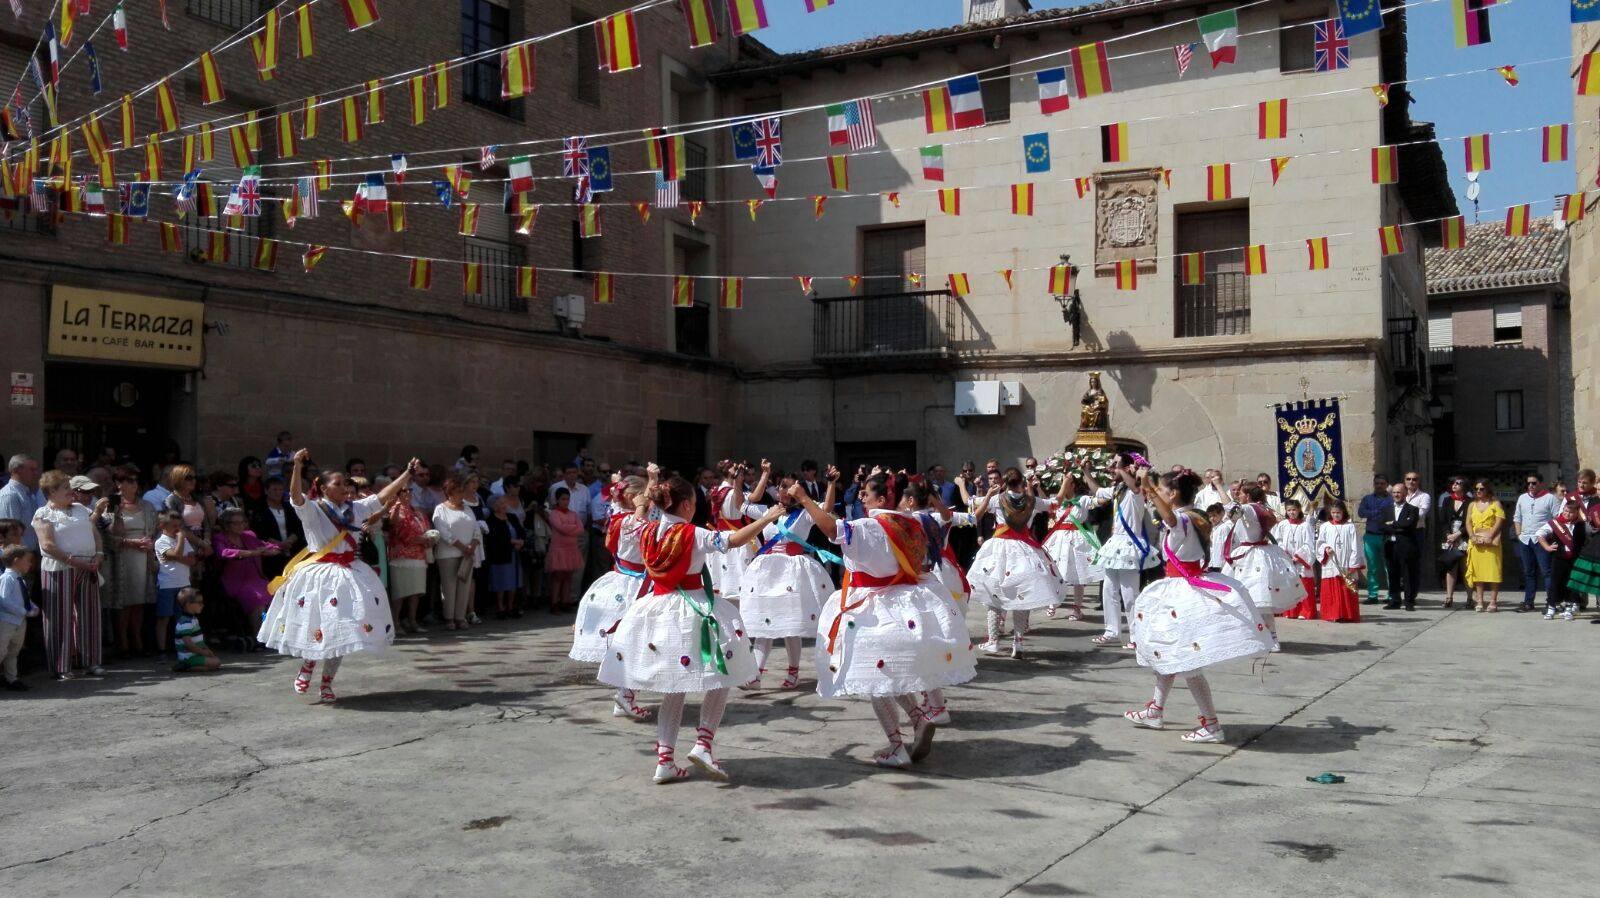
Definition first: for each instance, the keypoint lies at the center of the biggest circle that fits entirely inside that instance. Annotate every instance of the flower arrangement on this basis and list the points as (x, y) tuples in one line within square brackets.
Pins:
[(1093, 465)]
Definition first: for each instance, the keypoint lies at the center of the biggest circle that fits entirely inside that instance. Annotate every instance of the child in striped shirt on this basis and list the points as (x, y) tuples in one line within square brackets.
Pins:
[(193, 653)]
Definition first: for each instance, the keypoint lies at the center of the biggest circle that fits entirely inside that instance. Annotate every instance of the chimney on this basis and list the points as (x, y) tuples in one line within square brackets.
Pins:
[(990, 10)]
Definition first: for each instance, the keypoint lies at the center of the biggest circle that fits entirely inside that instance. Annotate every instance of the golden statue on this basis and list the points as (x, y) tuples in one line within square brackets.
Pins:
[(1096, 412)]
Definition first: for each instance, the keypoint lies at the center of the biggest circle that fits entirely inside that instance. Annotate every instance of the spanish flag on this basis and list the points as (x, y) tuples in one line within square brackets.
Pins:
[(1128, 274), (417, 91), (1569, 207), (1022, 199), (853, 281), (170, 243), (1517, 221), (682, 292), (311, 257), (1082, 185), (69, 15), (266, 43), (1278, 164), (1114, 142), (745, 16), (308, 119), (1219, 182), (116, 225), (839, 172), (216, 247), (959, 285), (1192, 267), (804, 280), (937, 114), (1255, 259), (472, 278), (950, 200), (360, 13), (1006, 273), (252, 130), (1477, 152), (1385, 165), (732, 293), (108, 170), (589, 220), (459, 179), (1589, 75), (208, 143), (441, 84), (1091, 70), (604, 294), (1509, 72), (421, 274), (702, 24), (1317, 253), (1060, 280), (324, 170), (1553, 147), (643, 209), (266, 258), (1272, 119), (349, 120), (167, 118), (375, 105), (152, 158), (665, 153), (516, 71), (210, 81), (1453, 232), (818, 203), (618, 41), (286, 142), (467, 220), (127, 119), (527, 281), (240, 142), (308, 38), (1390, 242), (397, 217)]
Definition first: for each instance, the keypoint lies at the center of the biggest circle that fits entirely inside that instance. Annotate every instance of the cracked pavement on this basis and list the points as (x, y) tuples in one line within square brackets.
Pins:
[(491, 763)]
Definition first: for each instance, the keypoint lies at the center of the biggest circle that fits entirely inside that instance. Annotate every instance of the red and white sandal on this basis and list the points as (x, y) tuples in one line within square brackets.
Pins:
[(327, 690), (666, 770), (302, 683), (1149, 716), (792, 680), (701, 756)]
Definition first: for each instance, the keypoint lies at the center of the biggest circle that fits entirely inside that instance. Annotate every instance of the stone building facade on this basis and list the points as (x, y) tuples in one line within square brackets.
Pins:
[(1585, 260)]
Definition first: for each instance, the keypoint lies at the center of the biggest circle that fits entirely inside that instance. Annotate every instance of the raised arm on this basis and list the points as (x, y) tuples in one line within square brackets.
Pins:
[(297, 483), (753, 529), (825, 522), (983, 501), (760, 489), (387, 494), (1163, 507)]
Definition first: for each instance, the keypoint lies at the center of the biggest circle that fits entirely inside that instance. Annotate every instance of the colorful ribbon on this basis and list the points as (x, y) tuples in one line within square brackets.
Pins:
[(710, 631)]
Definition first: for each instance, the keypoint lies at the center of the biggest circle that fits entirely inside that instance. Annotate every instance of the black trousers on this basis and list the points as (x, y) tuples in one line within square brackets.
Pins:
[(1405, 570)]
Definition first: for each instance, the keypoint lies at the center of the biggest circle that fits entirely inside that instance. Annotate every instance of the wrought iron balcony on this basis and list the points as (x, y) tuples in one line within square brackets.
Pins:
[(893, 328), (1408, 362)]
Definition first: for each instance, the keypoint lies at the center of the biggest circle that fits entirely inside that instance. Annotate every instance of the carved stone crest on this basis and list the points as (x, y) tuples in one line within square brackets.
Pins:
[(1125, 219)]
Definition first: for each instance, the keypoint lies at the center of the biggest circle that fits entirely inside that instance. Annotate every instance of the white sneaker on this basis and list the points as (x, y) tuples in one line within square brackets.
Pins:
[(990, 648), (893, 756), (1568, 611), (1550, 612), (701, 757), (669, 773), (1209, 731), (1276, 645), (474, 619), (1148, 717)]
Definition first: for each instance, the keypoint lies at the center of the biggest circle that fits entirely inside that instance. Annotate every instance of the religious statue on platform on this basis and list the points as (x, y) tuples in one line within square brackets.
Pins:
[(1095, 415)]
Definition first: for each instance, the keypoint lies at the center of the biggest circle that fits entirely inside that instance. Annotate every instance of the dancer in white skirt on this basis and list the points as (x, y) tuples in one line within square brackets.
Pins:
[(1072, 543), (1296, 534), (1011, 571), (1265, 569), (887, 636), (1129, 549), (783, 587), (678, 638), (329, 603), (1191, 619), (941, 572), (727, 515), (608, 597)]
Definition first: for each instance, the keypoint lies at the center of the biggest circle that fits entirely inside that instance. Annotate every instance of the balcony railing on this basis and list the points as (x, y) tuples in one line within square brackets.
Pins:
[(894, 327), (1407, 360), (1220, 306), (234, 14), (499, 275), (16, 214)]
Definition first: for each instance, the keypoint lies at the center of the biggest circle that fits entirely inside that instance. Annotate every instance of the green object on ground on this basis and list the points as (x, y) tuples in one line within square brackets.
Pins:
[(1326, 779)]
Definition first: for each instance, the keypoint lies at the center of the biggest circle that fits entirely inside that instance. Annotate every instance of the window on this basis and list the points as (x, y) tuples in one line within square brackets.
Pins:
[(681, 447), (1441, 329), (996, 89), (239, 238), (1221, 305), (694, 178), (557, 449), (1508, 410), (586, 253), (586, 80), (494, 248), (1297, 50), (691, 327), (233, 14), (486, 26), (896, 321), (1507, 324)]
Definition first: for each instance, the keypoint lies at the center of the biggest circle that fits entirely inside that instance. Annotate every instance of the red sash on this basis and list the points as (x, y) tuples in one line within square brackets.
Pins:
[(342, 559), (910, 547), (667, 556), (1021, 536), (629, 567), (1563, 535), (719, 497)]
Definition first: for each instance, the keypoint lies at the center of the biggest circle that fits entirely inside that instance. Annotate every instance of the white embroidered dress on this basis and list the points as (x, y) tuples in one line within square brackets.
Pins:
[(782, 591), (727, 565), (1266, 570), (329, 609), (1068, 547), (608, 597), (1015, 574), (1130, 546), (1179, 626)]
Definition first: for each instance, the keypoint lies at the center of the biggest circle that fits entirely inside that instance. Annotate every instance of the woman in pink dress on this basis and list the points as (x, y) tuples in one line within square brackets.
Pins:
[(562, 559), (241, 551)]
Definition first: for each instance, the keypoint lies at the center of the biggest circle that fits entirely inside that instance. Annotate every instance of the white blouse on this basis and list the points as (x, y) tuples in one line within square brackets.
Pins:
[(706, 542), (454, 527), (320, 531), (866, 546), (74, 533)]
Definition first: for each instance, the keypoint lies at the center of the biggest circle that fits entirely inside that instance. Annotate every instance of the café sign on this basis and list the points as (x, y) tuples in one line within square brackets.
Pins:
[(125, 327)]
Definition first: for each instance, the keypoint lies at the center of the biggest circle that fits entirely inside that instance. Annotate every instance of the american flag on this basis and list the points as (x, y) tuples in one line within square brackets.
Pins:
[(666, 193), (858, 122), (574, 157), (769, 142), (1185, 55), (309, 201), (486, 157), (183, 197), (1333, 50)]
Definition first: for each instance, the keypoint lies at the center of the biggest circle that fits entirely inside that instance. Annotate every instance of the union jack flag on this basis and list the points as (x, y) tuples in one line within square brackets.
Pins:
[(666, 193), (1333, 50), (574, 157), (250, 192), (769, 142)]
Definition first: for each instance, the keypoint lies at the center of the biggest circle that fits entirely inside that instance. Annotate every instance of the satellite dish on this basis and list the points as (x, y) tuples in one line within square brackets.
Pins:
[(1473, 190)]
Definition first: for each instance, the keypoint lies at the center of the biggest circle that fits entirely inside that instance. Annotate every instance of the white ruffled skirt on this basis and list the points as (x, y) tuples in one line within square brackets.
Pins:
[(328, 611), (602, 606), (1073, 557), (657, 646), (1118, 553), (1269, 578), (783, 595), (901, 639), (1179, 628), (949, 577), (727, 571), (1010, 575)]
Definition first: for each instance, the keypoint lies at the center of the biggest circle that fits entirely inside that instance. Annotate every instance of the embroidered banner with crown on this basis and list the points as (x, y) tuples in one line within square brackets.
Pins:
[(1310, 451)]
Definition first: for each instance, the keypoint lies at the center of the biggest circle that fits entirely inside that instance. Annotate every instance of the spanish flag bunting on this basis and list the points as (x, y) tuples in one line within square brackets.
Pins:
[(216, 249), (69, 15), (397, 217), (1509, 72), (804, 280), (938, 115), (682, 292), (589, 220), (1006, 273), (914, 278), (1553, 146), (1219, 182), (265, 44), (603, 293), (1166, 177), (1192, 267), (814, 5), (732, 292), (527, 281), (210, 80), (1022, 199), (1091, 69), (375, 104), (1453, 232), (467, 220), (1589, 75), (208, 144), (312, 255), (516, 71), (308, 118), (472, 278), (1255, 259), (152, 159), (1390, 241), (417, 89), (818, 202), (852, 281), (324, 170), (1381, 91), (893, 197), (441, 84), (618, 40), (360, 13), (950, 200), (303, 28), (1317, 253), (60, 151), (240, 142), (753, 206), (49, 93), (252, 130), (1060, 280), (108, 169), (745, 16), (169, 237), (167, 118), (526, 219), (1385, 165), (350, 129), (1082, 185), (1278, 164), (1272, 119), (286, 139), (1569, 207), (1517, 221), (1114, 142), (695, 208), (459, 178), (266, 257), (1128, 274), (642, 208), (126, 118), (839, 172), (116, 225), (959, 286), (421, 274), (1477, 152), (702, 23)]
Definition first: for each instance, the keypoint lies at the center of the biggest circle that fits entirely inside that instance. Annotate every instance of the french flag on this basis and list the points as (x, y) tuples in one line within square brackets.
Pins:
[(966, 102), (1053, 94)]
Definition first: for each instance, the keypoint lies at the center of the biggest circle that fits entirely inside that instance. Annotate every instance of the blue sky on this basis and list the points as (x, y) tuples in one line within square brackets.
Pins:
[(1523, 31)]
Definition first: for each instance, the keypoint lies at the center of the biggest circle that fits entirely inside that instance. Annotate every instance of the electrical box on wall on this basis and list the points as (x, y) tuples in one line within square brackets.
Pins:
[(978, 397), (1010, 392)]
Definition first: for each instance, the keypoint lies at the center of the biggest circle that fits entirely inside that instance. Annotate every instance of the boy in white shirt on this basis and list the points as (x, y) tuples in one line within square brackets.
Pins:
[(176, 557), (15, 609)]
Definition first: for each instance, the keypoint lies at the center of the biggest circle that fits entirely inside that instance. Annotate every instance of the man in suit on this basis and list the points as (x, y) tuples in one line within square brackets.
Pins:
[(814, 487), (705, 482), (1399, 526)]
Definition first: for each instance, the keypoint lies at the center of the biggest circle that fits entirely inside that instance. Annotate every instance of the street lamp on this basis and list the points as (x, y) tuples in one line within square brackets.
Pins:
[(1071, 302)]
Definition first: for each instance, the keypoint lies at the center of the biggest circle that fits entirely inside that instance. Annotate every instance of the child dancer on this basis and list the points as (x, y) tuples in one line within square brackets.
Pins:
[(608, 598), (1564, 538), (329, 603), (887, 636), (1191, 619), (783, 587), (1298, 536), (1266, 570), (1342, 560), (940, 572), (728, 515), (1127, 551), (1012, 572), (1071, 543), (678, 638)]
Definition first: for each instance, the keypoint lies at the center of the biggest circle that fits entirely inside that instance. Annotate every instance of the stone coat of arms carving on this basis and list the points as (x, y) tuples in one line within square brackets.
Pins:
[(1125, 218)]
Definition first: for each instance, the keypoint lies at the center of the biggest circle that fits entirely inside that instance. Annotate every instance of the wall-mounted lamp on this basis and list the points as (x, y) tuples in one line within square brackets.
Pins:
[(1071, 301)]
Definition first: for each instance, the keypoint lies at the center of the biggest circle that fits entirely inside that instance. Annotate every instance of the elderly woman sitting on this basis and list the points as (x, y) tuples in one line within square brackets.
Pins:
[(241, 552)]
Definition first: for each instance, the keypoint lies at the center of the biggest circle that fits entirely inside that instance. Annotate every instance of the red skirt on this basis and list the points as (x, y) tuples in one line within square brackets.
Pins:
[(1307, 609), (1339, 602)]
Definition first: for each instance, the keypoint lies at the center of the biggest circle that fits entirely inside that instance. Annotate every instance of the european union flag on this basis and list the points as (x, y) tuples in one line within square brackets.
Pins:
[(1585, 11), (138, 201), (599, 169), (445, 192), (1361, 16), (1036, 152), (744, 141), (94, 63)]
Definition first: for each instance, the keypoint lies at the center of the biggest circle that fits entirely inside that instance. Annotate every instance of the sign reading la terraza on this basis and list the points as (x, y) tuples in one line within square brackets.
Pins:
[(125, 327)]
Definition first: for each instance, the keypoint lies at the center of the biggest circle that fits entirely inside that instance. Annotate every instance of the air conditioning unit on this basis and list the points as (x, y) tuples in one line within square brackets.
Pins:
[(977, 397), (569, 311)]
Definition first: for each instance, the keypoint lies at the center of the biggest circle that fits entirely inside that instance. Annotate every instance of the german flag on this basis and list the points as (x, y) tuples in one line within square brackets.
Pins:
[(589, 220), (732, 293), (1114, 142), (702, 23), (421, 274), (167, 118), (603, 291), (1477, 152), (527, 281), (1272, 119), (839, 172), (350, 127), (1192, 269), (1317, 253), (1589, 75), (950, 200), (375, 104), (303, 28), (1022, 199), (618, 41), (360, 13), (1091, 70), (1060, 280), (1453, 232), (682, 292), (266, 257), (665, 153), (1390, 241), (308, 119), (1128, 274), (516, 71), (472, 278), (1219, 182), (1255, 259), (1553, 146), (417, 91), (286, 141), (1385, 165), (1569, 207), (1517, 219), (210, 80)]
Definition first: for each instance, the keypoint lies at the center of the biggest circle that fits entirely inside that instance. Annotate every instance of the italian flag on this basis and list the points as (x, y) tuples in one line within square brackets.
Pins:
[(1220, 31)]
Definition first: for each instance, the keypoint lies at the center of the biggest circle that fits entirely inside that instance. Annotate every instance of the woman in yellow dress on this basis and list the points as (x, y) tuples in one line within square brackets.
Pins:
[(1486, 521)]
